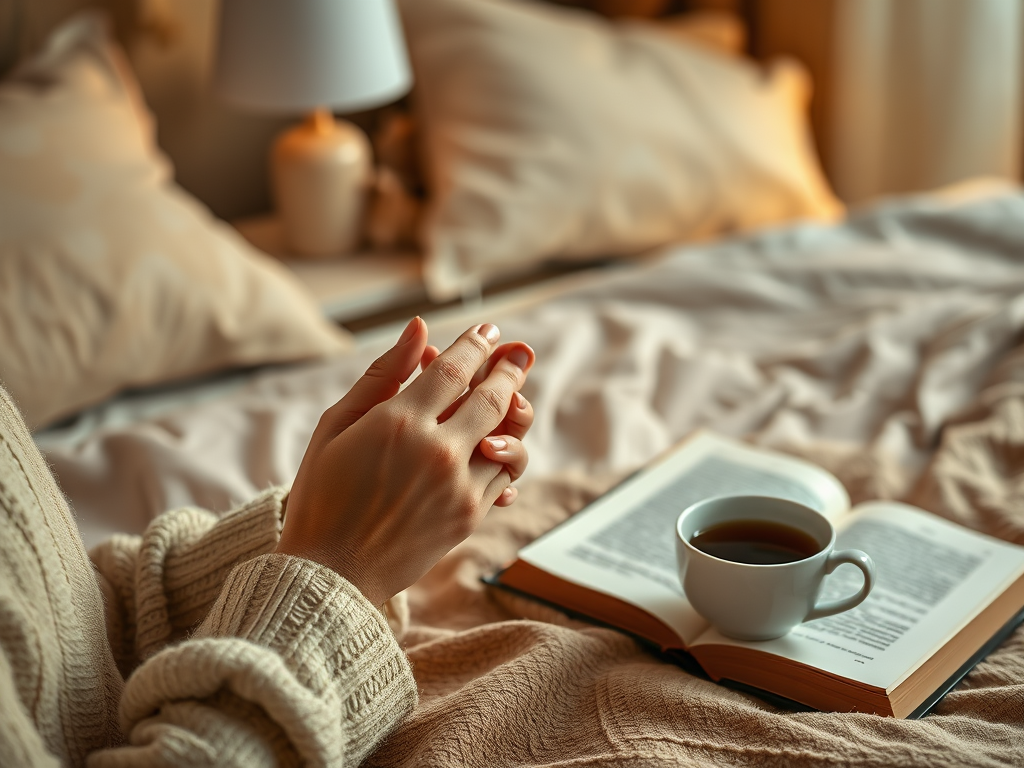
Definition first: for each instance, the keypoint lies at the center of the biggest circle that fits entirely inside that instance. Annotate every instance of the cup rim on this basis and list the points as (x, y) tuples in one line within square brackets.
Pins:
[(823, 552)]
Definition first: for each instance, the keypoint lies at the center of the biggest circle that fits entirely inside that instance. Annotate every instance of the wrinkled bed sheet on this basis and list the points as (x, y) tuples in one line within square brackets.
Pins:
[(888, 349)]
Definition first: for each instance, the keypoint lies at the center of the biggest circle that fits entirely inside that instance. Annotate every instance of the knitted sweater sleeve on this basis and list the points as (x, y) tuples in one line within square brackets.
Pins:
[(236, 656), (291, 666), (239, 657), (159, 586)]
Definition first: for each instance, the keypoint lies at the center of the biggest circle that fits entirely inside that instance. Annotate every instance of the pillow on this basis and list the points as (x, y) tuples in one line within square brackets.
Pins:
[(111, 276), (549, 132)]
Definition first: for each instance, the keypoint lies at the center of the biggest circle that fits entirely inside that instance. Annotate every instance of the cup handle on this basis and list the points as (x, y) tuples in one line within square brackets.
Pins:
[(855, 557)]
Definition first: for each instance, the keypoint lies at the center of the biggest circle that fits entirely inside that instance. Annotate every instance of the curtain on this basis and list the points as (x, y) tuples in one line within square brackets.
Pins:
[(912, 94)]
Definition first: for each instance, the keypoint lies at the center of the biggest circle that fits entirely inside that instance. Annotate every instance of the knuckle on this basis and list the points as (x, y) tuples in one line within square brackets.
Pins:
[(510, 376), (477, 342), (378, 367), (468, 508), (450, 371), (400, 422), (492, 401), (446, 458), (464, 520), (397, 426)]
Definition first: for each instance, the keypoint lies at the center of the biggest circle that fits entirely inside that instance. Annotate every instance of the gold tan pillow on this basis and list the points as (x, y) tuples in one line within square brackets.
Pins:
[(549, 132), (111, 276)]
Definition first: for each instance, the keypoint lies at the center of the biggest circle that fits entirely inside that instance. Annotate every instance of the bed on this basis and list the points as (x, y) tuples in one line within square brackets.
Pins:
[(887, 349), (885, 346)]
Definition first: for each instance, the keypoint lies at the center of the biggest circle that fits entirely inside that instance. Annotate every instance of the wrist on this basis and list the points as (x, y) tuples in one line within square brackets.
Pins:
[(343, 565)]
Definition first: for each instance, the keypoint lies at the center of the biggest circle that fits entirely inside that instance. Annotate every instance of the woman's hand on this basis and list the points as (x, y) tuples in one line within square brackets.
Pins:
[(393, 480), (504, 444)]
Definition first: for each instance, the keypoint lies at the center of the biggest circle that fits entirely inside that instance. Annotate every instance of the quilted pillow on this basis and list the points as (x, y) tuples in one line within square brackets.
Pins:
[(111, 276), (550, 132)]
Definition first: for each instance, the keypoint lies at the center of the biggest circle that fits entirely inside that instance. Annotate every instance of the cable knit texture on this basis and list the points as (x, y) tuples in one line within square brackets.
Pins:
[(235, 656)]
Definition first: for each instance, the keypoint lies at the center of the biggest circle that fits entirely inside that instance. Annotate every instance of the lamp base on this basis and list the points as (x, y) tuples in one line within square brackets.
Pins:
[(321, 173)]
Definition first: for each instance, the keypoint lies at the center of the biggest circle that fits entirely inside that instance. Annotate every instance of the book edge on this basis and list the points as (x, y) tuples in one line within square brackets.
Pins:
[(681, 657)]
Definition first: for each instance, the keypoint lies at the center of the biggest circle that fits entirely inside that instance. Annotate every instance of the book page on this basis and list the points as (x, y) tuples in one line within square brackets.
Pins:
[(624, 543), (933, 577)]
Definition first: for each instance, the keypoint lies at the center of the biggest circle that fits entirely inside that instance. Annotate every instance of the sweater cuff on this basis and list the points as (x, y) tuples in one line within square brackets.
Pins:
[(332, 639), (185, 556)]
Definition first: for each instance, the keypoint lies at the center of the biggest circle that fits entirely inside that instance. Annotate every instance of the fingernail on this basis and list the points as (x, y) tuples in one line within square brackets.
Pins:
[(518, 358), (409, 331), (489, 332), (497, 443), (520, 402), (507, 493)]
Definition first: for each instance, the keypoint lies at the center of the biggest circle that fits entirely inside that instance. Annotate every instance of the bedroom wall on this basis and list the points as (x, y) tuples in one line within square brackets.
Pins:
[(219, 153), (910, 94)]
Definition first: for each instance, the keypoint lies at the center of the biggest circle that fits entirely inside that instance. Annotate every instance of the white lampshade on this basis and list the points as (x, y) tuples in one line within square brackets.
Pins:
[(294, 55)]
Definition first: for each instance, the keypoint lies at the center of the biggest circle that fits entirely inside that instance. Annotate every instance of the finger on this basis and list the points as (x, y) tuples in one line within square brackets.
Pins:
[(506, 450), (381, 381), (429, 354), (517, 422), (447, 412), (518, 419), (488, 478), (496, 487), (486, 406), (484, 370), (450, 372), (507, 497), (478, 377)]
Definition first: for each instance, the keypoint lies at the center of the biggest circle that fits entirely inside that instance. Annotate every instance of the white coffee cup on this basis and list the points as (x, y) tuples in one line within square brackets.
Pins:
[(762, 602)]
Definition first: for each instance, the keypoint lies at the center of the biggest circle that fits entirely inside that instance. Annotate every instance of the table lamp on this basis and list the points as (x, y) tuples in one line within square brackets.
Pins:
[(315, 56)]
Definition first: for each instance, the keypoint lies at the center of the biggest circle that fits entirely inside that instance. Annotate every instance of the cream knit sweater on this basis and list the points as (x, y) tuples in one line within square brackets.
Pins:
[(232, 656)]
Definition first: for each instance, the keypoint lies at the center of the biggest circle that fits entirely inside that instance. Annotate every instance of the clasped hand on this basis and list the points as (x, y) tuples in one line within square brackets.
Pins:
[(392, 480)]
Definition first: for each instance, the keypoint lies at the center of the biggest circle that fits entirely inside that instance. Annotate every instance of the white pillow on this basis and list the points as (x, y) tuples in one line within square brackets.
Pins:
[(111, 276), (548, 132)]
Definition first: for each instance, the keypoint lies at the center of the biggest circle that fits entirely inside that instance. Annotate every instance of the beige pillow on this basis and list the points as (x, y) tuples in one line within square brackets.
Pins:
[(111, 276), (549, 132)]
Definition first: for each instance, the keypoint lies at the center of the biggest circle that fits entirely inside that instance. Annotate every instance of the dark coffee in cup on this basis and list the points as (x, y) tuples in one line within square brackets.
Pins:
[(756, 542), (753, 566)]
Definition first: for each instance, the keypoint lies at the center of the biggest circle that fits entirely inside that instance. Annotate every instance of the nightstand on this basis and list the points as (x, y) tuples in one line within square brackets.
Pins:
[(353, 288)]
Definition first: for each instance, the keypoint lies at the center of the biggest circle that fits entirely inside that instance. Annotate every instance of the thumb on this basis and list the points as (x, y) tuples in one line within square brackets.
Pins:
[(381, 381)]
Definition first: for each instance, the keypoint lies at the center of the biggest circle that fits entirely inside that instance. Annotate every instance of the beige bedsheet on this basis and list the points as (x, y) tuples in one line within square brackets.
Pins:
[(889, 349)]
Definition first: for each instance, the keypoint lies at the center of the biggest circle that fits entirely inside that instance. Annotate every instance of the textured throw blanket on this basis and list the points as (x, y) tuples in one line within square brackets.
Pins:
[(504, 681), (890, 350)]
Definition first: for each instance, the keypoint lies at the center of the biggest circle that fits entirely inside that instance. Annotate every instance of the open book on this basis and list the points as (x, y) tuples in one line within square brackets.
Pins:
[(944, 596)]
